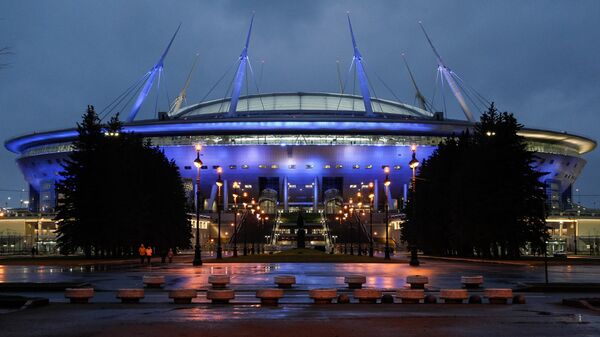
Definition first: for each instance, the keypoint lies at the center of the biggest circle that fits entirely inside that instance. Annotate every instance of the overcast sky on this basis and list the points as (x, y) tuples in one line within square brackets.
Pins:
[(537, 59)]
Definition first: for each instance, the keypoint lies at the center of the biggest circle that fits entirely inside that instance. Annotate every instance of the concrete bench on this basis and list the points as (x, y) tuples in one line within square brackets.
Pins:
[(285, 281), (367, 295), (153, 281), (220, 296), (410, 296), (355, 281), (498, 295), (130, 295), (454, 295), (471, 282), (417, 281), (183, 296), (219, 281), (322, 296), (269, 296), (79, 295)]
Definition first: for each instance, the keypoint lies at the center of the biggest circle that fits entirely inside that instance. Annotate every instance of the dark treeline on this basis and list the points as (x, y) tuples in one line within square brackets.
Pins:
[(478, 194), (118, 192)]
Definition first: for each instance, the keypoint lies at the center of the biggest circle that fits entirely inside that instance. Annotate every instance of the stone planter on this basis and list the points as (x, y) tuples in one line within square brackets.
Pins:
[(322, 296), (218, 281), (498, 295), (417, 281), (130, 295), (183, 296), (153, 281), (355, 281), (285, 281), (410, 296), (367, 295), (79, 295), (471, 282), (454, 295), (269, 297), (220, 296)]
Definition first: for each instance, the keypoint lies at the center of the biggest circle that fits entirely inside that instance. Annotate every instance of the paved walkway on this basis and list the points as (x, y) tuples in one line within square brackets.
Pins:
[(442, 274), (541, 316), (246, 278)]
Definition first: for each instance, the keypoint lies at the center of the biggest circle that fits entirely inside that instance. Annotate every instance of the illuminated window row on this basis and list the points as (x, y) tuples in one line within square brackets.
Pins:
[(293, 166)]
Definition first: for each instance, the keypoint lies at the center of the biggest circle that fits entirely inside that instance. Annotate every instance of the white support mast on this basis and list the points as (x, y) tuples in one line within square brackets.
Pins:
[(176, 105), (240, 75), (362, 76), (449, 76), (150, 76), (418, 95)]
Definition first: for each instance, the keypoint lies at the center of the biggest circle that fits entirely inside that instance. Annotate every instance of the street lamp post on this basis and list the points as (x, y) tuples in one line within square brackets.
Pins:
[(387, 183), (351, 225), (347, 234), (197, 250), (262, 226), (413, 164), (37, 236), (265, 218), (236, 190), (261, 217), (253, 208), (345, 217), (341, 219), (219, 185), (359, 226), (371, 201), (546, 261), (245, 223), (257, 211)]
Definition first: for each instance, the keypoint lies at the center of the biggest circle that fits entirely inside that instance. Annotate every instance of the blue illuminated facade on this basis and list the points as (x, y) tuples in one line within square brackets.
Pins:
[(301, 149)]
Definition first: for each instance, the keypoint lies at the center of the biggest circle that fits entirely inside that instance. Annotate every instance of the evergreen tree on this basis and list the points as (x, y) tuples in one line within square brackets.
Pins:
[(478, 194), (118, 191), (76, 190)]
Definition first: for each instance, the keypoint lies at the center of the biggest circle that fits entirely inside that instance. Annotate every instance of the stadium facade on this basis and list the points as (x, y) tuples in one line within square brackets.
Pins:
[(308, 148), (299, 150)]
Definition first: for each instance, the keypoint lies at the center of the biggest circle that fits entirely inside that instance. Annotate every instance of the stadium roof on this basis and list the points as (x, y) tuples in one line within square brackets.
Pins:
[(300, 103)]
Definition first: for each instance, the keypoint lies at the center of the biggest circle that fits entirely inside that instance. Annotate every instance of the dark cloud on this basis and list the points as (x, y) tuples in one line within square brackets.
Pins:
[(535, 58)]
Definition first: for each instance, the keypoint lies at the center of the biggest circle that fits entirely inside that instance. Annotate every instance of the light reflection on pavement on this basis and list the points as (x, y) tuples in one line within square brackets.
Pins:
[(541, 316), (249, 276)]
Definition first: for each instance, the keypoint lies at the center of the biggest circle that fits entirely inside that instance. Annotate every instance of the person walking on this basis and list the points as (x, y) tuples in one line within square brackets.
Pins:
[(142, 252), (149, 254), (170, 255)]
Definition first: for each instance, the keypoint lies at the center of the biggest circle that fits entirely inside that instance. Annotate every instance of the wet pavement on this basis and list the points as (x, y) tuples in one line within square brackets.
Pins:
[(541, 316), (247, 277), (442, 274), (296, 316)]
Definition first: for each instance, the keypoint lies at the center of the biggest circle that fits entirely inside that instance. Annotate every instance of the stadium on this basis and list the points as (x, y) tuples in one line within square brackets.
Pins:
[(309, 151)]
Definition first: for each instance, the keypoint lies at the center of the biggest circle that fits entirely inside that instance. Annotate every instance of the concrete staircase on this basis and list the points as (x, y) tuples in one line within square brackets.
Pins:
[(285, 232)]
